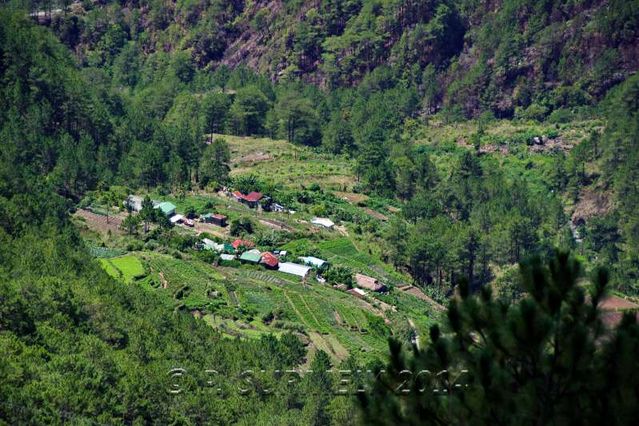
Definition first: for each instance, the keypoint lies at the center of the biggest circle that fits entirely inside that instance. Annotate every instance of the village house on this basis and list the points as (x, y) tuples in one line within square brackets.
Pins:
[(294, 269), (134, 202), (212, 245), (175, 219), (313, 261), (357, 292), (269, 260), (251, 199), (251, 256), (322, 221), (369, 283), (167, 208), (242, 243), (215, 219)]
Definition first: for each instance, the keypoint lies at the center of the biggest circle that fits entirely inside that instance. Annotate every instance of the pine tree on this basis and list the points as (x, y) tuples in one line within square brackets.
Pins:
[(547, 359)]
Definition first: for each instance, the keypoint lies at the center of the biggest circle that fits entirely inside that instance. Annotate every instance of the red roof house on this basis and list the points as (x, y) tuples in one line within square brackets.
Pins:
[(251, 199), (237, 243), (270, 260), (369, 283)]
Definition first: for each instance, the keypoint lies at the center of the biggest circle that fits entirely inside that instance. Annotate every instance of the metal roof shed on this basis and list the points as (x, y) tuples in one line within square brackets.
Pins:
[(212, 245), (176, 219), (294, 269), (322, 221), (313, 261), (251, 256), (167, 208)]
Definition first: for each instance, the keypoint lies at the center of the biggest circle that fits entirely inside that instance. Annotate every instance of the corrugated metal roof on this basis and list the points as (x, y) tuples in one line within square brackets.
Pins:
[(166, 207), (322, 221), (312, 260), (244, 243), (212, 245), (253, 256), (270, 259), (176, 218), (294, 268), (368, 283), (253, 197)]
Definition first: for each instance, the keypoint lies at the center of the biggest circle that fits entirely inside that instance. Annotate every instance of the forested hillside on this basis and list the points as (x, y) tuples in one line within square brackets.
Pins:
[(547, 65), (449, 141), (507, 56)]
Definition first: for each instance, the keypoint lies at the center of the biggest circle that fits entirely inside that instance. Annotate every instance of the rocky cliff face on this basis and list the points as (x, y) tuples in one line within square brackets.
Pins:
[(502, 55)]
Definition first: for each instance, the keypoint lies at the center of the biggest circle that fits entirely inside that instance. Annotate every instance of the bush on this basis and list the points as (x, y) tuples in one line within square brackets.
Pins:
[(151, 245), (561, 115), (207, 256), (135, 245), (339, 275), (243, 225), (533, 112)]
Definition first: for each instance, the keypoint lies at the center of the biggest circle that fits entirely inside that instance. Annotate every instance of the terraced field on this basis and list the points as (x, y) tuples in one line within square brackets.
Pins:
[(287, 164), (250, 301)]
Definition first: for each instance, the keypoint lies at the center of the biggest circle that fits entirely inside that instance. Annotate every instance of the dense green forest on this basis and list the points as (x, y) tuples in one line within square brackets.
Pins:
[(101, 94)]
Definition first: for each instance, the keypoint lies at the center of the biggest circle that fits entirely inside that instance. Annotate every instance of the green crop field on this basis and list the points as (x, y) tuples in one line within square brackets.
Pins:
[(126, 268)]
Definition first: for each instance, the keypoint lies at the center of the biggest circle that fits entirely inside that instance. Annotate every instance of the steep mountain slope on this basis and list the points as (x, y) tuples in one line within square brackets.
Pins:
[(501, 55)]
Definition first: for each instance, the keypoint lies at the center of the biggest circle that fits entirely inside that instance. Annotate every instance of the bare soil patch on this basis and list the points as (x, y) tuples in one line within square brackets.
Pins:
[(165, 283), (253, 158), (275, 224), (351, 197), (616, 303), (211, 229), (99, 223), (376, 215), (591, 203)]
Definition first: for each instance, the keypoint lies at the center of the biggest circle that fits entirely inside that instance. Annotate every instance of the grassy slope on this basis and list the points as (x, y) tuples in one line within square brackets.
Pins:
[(288, 165)]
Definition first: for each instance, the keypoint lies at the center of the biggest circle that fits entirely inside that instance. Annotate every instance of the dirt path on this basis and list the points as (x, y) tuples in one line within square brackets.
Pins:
[(165, 283), (200, 227), (275, 224)]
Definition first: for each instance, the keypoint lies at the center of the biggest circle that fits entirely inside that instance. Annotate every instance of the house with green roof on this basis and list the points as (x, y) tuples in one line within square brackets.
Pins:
[(167, 208), (251, 256)]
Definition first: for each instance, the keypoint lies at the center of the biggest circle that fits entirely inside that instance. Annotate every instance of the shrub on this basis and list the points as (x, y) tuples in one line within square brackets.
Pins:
[(533, 112), (243, 225)]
